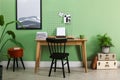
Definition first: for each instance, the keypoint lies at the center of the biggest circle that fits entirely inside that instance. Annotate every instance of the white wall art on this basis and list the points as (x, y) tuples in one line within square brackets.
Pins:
[(29, 13)]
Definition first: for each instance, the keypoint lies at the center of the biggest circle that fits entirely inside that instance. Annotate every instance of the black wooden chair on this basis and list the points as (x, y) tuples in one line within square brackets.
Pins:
[(57, 52)]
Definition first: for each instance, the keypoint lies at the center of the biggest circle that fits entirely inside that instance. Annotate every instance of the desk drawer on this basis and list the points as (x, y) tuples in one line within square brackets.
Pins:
[(106, 57), (106, 64)]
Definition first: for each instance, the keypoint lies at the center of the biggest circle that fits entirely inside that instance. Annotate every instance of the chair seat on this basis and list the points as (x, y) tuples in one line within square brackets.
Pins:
[(59, 55)]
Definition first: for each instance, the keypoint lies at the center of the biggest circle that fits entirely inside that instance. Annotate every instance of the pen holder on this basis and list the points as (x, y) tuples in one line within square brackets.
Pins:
[(82, 36)]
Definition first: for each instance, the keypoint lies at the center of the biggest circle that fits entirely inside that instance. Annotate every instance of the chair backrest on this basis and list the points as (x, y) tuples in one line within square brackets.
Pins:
[(56, 45)]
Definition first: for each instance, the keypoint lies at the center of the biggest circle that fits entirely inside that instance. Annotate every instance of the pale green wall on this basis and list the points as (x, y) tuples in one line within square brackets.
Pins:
[(0, 6), (89, 17)]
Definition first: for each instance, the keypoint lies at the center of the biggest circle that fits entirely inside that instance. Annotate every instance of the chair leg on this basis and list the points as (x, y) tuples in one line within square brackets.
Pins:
[(68, 65), (63, 68), (22, 62), (16, 62), (55, 65), (51, 67), (8, 62), (13, 64)]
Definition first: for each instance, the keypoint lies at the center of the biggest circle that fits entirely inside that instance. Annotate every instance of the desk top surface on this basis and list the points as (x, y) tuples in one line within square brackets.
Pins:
[(75, 39), (69, 38)]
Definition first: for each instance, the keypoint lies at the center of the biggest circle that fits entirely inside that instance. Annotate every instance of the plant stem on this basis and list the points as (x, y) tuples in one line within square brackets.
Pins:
[(3, 45), (2, 35)]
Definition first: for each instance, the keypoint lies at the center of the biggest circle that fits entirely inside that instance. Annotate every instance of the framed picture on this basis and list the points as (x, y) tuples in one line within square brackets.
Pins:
[(29, 14)]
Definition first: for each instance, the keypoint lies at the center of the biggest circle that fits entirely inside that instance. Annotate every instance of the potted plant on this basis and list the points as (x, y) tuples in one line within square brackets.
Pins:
[(105, 42), (10, 36)]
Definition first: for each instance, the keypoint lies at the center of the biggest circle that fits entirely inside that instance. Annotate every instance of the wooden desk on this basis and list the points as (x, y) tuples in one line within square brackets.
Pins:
[(81, 42)]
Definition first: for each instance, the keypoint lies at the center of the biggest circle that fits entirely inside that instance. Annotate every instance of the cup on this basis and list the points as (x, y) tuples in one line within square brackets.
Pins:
[(81, 36)]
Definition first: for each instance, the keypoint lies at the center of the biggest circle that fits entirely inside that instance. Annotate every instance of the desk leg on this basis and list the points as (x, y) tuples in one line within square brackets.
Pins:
[(37, 57), (84, 56)]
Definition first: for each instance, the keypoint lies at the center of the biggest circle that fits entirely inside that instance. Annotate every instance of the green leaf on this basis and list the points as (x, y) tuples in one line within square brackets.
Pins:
[(1, 20), (11, 33)]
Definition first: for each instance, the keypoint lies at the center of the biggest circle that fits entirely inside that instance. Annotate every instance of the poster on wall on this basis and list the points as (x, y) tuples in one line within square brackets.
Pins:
[(29, 14)]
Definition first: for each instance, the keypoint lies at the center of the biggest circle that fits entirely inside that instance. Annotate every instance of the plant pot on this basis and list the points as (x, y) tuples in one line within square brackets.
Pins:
[(1, 69), (105, 49)]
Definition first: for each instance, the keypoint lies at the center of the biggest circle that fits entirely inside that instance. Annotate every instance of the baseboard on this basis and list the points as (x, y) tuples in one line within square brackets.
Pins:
[(43, 63), (47, 63)]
